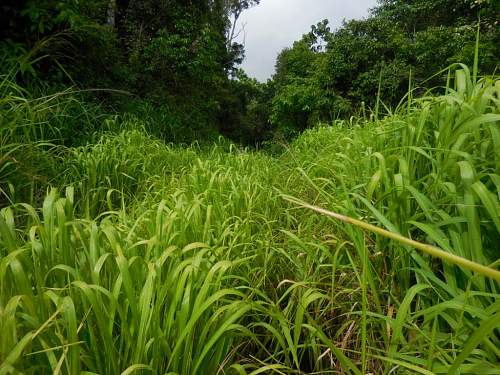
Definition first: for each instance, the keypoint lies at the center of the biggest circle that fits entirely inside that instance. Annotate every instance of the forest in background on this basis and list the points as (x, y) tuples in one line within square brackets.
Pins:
[(357, 231), (176, 63)]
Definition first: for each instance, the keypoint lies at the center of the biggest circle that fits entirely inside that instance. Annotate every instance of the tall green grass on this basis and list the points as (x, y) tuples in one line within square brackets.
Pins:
[(33, 129), (429, 172), (151, 258)]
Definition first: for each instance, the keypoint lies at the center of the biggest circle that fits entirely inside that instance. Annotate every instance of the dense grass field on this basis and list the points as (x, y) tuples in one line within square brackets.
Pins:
[(129, 255)]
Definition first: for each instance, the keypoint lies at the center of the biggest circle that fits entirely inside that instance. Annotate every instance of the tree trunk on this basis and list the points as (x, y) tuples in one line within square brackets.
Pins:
[(111, 14)]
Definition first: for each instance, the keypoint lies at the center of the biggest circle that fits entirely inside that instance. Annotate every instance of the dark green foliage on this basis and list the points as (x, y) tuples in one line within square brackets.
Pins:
[(175, 57), (418, 15), (327, 75), (245, 113), (178, 61)]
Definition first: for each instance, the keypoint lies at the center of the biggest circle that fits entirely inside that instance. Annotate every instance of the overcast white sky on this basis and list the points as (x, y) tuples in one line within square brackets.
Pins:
[(276, 24)]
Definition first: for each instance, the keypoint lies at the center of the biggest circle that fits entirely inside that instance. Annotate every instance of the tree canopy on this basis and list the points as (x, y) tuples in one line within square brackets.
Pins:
[(330, 74), (181, 58), (178, 55)]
